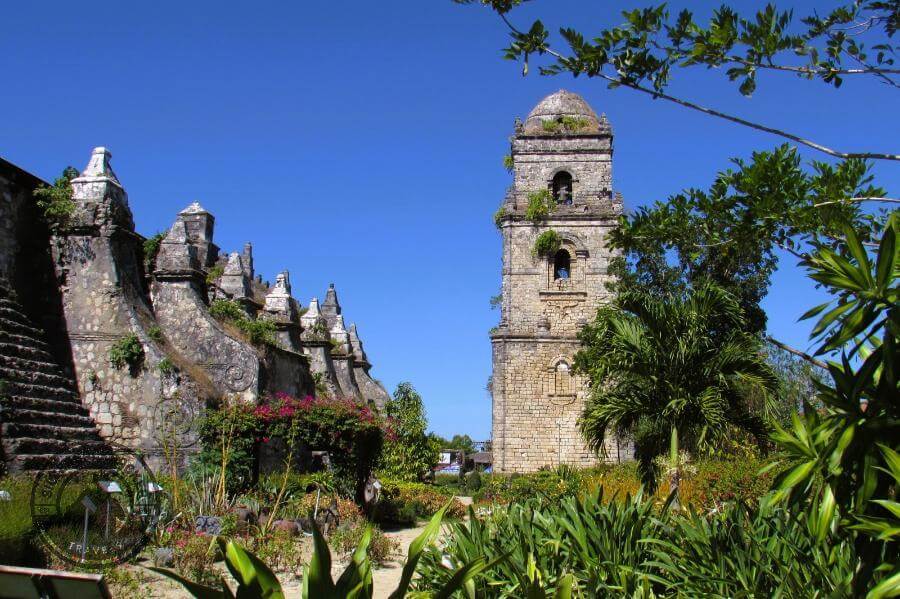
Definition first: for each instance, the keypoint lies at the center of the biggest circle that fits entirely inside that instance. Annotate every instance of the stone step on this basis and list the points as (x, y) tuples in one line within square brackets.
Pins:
[(36, 378), (13, 430), (70, 406), (22, 363), (60, 462), (37, 391), (18, 327), (8, 337), (27, 352), (31, 445), (25, 416)]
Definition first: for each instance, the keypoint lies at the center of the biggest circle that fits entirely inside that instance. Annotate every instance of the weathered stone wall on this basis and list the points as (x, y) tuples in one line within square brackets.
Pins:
[(98, 266), (232, 364), (286, 372), (536, 399)]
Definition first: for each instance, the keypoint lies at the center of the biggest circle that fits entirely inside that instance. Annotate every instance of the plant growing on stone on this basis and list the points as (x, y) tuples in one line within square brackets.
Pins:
[(258, 332), (508, 163), (499, 216), (214, 274), (127, 351), (226, 310), (55, 201), (155, 333), (547, 243), (166, 366), (151, 249), (565, 124), (540, 205)]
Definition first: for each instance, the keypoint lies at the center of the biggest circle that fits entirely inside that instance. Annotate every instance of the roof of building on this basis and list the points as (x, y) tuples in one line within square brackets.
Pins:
[(558, 105)]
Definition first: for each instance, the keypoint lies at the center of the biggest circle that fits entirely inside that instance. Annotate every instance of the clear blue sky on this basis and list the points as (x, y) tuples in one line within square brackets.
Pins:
[(361, 143)]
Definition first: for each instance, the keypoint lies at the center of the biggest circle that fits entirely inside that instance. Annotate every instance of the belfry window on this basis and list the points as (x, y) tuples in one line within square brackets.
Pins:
[(562, 379), (562, 188), (562, 265)]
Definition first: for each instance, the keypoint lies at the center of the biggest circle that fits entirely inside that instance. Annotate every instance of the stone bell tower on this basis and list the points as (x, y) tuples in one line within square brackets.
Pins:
[(561, 159)]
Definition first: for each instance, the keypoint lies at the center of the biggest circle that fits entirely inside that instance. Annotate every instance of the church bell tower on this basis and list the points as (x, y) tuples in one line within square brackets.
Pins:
[(554, 221)]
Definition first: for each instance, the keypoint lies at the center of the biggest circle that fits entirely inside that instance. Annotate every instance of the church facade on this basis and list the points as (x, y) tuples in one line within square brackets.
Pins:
[(554, 222)]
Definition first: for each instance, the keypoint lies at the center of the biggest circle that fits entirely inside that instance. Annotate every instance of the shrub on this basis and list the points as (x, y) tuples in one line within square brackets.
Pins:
[(280, 551), (226, 310), (348, 534), (155, 333), (540, 205), (257, 332), (127, 351), (547, 243), (349, 431), (194, 556), (55, 201), (403, 503), (508, 163), (473, 481)]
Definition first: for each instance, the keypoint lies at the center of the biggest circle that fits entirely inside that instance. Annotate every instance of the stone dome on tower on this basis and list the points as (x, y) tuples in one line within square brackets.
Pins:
[(560, 105)]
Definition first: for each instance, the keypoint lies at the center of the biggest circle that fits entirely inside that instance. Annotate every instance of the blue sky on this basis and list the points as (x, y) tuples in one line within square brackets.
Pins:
[(360, 143)]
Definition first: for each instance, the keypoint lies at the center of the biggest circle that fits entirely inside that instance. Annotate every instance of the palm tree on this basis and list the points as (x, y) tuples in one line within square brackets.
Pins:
[(672, 372)]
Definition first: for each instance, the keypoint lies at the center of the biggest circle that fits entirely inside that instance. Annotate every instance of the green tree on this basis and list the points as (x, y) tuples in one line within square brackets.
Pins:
[(729, 234), (410, 452), (672, 372)]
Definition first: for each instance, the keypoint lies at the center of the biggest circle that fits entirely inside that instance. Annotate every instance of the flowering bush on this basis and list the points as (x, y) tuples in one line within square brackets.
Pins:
[(353, 434)]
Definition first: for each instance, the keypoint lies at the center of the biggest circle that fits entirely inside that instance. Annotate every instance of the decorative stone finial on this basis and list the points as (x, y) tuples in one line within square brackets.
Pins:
[(98, 165), (356, 344), (194, 208), (234, 280)]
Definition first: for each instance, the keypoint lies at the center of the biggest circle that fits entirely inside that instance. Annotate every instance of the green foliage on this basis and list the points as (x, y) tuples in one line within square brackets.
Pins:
[(508, 163), (166, 366), (797, 384), (352, 434), (730, 234), (671, 366), (55, 202), (540, 205), (258, 332), (348, 535), (226, 310), (651, 45), (253, 577), (637, 548), (496, 301), (402, 503), (499, 216), (356, 580), (155, 333), (214, 274), (473, 482), (411, 453), (547, 243), (127, 351), (843, 456), (565, 124), (151, 249)]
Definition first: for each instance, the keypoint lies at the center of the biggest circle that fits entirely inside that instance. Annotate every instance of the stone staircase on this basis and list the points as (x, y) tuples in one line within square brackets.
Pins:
[(43, 425)]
